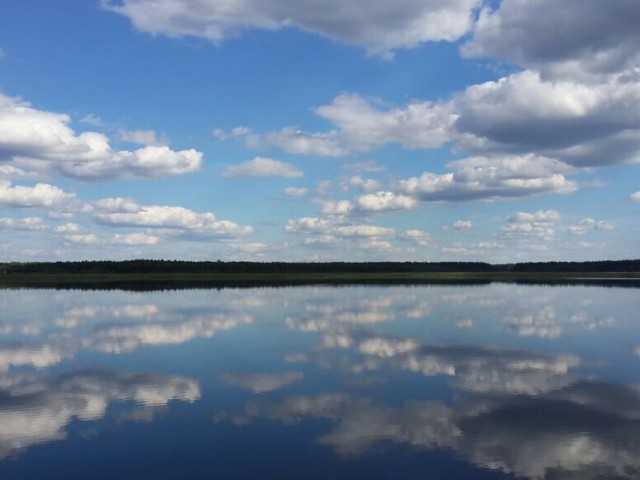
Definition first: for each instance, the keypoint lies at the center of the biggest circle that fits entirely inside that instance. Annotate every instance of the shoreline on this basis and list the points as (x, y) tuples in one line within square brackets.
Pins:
[(153, 281)]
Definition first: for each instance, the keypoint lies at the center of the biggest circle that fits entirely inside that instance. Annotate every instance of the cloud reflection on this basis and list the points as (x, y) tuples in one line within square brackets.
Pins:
[(35, 410), (585, 430), (522, 412), (114, 329), (262, 382)]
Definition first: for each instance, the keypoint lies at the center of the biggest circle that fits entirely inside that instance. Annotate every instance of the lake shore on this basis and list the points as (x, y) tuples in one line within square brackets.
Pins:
[(217, 280)]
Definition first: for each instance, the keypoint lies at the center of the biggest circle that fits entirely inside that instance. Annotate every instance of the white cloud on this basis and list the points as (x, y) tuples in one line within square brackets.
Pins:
[(67, 228), (41, 195), (295, 192), (418, 236), (491, 178), (538, 224), (336, 207), (522, 115), (308, 224), (249, 248), (366, 185), (576, 123), (384, 202), (377, 245), (635, 197), (539, 216), (142, 137), (587, 224), (28, 223), (379, 27), (363, 231), (167, 220), (490, 245), (364, 127), (135, 239), (33, 140), (361, 127), (323, 240), (146, 162), (2, 54), (83, 239), (602, 39), (461, 225), (263, 167), (293, 140)]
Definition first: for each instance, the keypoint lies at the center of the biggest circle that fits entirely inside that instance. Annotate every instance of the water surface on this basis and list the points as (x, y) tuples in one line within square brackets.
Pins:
[(468, 382)]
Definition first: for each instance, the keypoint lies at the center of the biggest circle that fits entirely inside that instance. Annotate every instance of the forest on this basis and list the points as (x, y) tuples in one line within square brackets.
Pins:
[(155, 267)]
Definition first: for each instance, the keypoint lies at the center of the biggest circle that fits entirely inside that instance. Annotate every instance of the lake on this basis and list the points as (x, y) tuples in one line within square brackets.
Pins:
[(492, 381)]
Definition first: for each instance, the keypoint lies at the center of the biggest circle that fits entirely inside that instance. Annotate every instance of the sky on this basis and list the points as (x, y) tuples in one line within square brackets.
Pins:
[(306, 130)]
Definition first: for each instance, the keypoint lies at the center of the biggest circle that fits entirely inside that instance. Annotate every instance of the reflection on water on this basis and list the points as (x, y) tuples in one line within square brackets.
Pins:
[(35, 409), (494, 381)]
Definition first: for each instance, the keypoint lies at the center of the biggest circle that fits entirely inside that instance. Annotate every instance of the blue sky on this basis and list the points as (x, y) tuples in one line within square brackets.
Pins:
[(433, 130)]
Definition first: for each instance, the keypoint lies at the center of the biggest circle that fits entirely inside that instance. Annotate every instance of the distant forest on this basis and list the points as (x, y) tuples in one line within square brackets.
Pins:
[(220, 267)]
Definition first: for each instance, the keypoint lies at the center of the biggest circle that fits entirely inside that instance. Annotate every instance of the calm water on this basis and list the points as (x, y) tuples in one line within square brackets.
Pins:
[(469, 382)]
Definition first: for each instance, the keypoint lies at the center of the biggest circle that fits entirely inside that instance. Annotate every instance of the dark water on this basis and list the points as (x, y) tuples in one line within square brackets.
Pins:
[(433, 382)]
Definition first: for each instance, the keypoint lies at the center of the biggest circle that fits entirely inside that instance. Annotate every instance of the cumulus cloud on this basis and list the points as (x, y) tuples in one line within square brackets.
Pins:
[(420, 237), (83, 239), (461, 225), (522, 115), (635, 197), (361, 126), (601, 40), (576, 123), (33, 140), (538, 224), (379, 27), (135, 239), (67, 228), (587, 224), (490, 178), (363, 231), (308, 224), (541, 216), (365, 184), (336, 207), (385, 201), (41, 195), (27, 223), (263, 167), (166, 220)]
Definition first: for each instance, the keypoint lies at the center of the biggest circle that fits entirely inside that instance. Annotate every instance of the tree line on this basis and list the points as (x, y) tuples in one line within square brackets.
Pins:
[(142, 266)]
